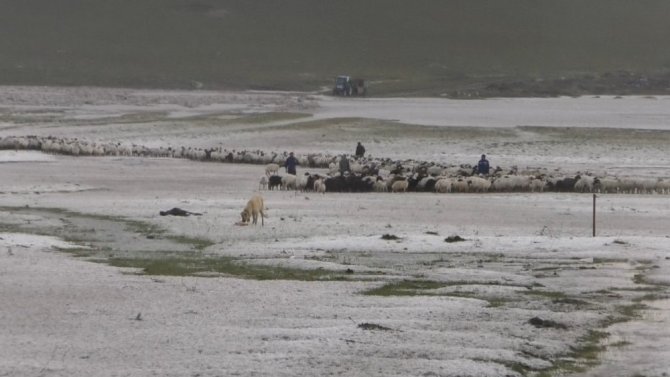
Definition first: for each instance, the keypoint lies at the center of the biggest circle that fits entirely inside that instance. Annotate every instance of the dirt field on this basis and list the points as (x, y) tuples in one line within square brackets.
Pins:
[(358, 284)]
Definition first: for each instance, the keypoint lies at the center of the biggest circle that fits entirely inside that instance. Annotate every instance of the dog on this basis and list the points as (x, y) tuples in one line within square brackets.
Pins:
[(255, 207)]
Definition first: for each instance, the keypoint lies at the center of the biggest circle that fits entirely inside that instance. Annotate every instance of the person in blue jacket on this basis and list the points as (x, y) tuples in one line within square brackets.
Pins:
[(483, 166), (291, 163)]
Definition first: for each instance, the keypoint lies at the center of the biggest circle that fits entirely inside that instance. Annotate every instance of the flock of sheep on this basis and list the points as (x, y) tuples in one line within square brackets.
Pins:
[(454, 179), (364, 175)]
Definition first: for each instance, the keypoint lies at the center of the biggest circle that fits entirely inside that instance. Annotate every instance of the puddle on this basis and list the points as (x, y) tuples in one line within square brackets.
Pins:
[(106, 236)]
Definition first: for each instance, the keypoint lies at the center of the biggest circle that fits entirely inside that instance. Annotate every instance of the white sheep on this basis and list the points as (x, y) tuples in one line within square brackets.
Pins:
[(288, 181), (460, 185), (609, 185), (662, 186), (434, 170), (400, 186), (301, 181), (511, 183), (271, 169), (537, 185), (320, 186), (443, 185), (379, 186), (479, 184), (263, 183), (584, 184)]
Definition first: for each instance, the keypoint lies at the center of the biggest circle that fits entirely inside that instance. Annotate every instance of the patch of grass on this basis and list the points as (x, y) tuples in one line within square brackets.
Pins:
[(497, 302), (651, 297), (581, 357), (647, 288), (590, 346), (140, 227), (551, 295), (405, 288), (79, 252), (547, 268), (515, 366), (199, 266), (639, 279), (472, 45), (621, 343), (610, 260), (260, 118), (624, 313), (571, 301), (196, 242), (423, 288)]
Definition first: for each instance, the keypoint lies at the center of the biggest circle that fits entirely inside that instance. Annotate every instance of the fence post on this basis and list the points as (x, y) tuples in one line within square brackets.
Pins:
[(594, 215)]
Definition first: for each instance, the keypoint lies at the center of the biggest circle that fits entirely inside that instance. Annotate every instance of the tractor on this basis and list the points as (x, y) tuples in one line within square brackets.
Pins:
[(346, 86)]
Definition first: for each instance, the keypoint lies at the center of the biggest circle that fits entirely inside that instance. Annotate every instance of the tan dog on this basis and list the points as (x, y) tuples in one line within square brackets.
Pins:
[(255, 206)]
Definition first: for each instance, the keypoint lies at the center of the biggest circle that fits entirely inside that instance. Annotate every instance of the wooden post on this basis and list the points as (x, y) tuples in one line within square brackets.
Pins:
[(594, 215)]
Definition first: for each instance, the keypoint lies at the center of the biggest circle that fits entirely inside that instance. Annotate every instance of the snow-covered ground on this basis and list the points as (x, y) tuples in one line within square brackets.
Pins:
[(525, 255)]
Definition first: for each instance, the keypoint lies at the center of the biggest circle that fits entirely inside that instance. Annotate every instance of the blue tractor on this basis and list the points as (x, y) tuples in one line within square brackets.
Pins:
[(346, 86)]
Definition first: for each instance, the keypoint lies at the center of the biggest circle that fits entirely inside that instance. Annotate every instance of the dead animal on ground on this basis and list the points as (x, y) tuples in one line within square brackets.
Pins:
[(455, 238), (255, 207), (179, 212)]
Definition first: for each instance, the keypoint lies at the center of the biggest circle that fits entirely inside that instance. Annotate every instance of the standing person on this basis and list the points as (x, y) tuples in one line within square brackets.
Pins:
[(290, 164), (360, 150), (483, 166), (344, 164)]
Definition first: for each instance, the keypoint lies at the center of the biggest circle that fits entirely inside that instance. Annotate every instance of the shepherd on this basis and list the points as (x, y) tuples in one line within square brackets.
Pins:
[(360, 150)]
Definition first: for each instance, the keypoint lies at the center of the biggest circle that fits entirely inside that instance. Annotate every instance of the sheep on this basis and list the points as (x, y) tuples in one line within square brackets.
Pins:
[(399, 186), (443, 185), (320, 186), (609, 185), (333, 168), (460, 185), (263, 183), (537, 184), (564, 184), (662, 186), (274, 181), (511, 183), (434, 170), (478, 184), (584, 184), (426, 184), (271, 169), (646, 185), (254, 207), (379, 185), (627, 186), (302, 181), (288, 182)]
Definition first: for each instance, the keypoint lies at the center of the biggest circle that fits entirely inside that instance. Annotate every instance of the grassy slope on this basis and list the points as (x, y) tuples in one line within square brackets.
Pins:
[(418, 46)]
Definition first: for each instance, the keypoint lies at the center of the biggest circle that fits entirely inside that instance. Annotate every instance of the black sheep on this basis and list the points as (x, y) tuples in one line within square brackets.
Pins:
[(274, 181)]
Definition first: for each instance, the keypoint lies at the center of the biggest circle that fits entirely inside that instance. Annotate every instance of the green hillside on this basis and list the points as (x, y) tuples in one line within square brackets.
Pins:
[(417, 47)]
